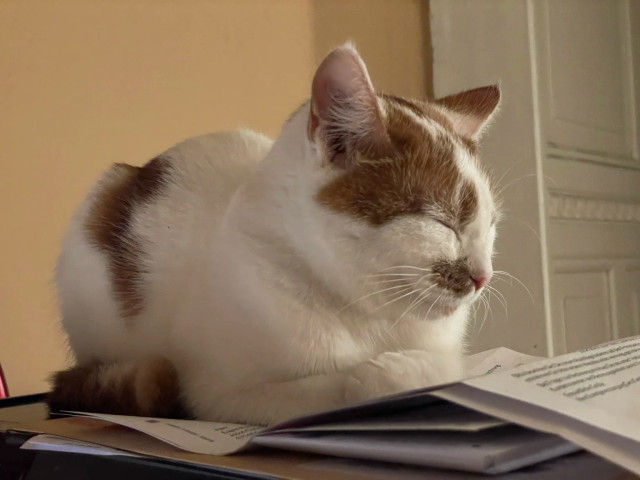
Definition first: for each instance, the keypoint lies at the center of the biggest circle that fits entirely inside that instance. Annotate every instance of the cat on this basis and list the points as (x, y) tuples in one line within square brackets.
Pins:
[(237, 279)]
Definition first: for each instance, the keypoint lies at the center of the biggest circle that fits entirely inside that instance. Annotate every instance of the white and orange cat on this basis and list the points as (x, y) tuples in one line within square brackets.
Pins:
[(237, 279)]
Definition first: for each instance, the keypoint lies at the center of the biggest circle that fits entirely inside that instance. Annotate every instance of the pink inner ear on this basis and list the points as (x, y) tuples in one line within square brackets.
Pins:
[(344, 103), (313, 123), (470, 111), (467, 125), (341, 77)]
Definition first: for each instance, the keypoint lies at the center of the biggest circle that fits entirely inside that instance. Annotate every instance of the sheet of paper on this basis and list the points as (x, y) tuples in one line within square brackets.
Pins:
[(196, 436), (491, 451), (489, 361), (496, 360), (589, 397), (61, 444), (577, 466), (433, 417), (599, 386)]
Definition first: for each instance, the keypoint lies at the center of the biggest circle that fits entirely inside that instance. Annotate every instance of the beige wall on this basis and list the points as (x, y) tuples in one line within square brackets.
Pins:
[(392, 36), (87, 83)]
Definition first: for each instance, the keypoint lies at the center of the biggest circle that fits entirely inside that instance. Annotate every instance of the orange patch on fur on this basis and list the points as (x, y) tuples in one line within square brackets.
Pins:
[(147, 388), (109, 221), (421, 175)]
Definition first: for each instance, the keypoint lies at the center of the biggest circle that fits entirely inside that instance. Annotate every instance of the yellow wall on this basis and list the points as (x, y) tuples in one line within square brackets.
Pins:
[(392, 36), (85, 83)]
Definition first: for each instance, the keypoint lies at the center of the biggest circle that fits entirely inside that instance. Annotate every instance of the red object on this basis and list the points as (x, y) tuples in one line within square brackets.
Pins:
[(4, 390)]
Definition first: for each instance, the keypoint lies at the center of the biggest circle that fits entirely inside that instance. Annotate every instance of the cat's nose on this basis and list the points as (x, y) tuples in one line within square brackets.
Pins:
[(481, 279)]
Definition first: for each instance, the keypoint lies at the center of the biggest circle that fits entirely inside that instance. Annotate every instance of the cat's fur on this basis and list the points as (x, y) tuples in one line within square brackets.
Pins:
[(235, 279)]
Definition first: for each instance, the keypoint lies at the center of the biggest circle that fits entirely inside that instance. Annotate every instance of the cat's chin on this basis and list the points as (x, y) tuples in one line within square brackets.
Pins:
[(440, 308), (446, 305), (449, 310)]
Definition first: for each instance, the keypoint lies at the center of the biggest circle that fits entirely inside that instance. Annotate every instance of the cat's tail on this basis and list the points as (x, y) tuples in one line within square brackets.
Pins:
[(147, 387)]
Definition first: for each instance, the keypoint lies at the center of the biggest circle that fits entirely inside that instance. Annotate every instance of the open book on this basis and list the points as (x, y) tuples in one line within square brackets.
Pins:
[(514, 410)]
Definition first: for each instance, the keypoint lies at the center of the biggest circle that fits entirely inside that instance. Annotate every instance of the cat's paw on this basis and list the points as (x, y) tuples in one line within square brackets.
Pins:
[(393, 372)]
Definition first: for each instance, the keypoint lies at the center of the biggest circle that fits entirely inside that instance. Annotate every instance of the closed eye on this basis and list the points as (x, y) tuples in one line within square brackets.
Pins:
[(448, 225)]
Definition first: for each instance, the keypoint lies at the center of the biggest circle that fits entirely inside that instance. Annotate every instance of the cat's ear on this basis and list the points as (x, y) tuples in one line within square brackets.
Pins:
[(472, 111), (345, 115)]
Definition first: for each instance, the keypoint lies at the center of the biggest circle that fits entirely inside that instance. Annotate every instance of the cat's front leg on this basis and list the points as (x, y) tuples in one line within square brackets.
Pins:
[(265, 403), (393, 372)]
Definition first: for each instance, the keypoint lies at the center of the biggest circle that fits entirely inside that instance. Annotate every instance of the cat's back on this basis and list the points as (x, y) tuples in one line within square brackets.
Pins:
[(140, 226), (216, 163)]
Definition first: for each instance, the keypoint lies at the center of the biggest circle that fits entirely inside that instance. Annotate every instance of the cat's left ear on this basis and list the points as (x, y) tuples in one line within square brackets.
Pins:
[(345, 115), (471, 111)]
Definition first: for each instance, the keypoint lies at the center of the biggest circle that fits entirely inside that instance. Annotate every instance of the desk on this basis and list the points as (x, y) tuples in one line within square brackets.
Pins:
[(29, 413)]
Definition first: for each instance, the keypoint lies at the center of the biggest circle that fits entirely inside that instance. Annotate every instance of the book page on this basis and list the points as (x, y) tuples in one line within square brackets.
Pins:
[(494, 451), (589, 397), (496, 360), (196, 436), (69, 445), (440, 416), (600, 385)]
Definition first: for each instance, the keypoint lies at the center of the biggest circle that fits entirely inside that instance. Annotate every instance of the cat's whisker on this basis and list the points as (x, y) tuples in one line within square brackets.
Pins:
[(489, 314), (499, 297), (485, 304), (377, 292), (482, 302), (400, 294), (432, 305), (476, 306), (488, 299), (493, 292), (504, 174), (406, 266), (486, 308), (394, 280), (385, 278), (415, 304), (502, 188), (415, 290), (507, 274), (395, 275), (403, 279), (418, 300), (421, 299), (530, 228)]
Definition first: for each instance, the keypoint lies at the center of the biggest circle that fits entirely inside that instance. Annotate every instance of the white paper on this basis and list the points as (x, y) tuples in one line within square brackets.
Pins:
[(579, 466), (490, 451), (438, 417), (599, 386), (211, 438), (590, 397), (61, 444), (496, 360)]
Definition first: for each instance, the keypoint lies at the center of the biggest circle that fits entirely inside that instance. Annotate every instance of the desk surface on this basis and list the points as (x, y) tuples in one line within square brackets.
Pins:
[(29, 413)]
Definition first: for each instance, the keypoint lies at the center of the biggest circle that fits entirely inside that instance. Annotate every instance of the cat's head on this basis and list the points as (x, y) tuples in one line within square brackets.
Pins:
[(412, 209)]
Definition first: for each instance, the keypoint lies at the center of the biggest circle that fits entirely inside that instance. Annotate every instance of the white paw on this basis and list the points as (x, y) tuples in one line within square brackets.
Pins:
[(393, 372)]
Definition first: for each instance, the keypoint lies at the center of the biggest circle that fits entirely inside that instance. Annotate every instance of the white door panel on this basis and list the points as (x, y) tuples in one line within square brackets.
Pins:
[(585, 75), (583, 310), (567, 138)]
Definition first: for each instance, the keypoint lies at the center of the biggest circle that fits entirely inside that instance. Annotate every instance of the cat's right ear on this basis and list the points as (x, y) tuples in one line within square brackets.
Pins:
[(345, 116)]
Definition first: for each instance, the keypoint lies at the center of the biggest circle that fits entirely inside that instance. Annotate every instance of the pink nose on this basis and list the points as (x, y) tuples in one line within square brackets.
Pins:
[(481, 280)]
